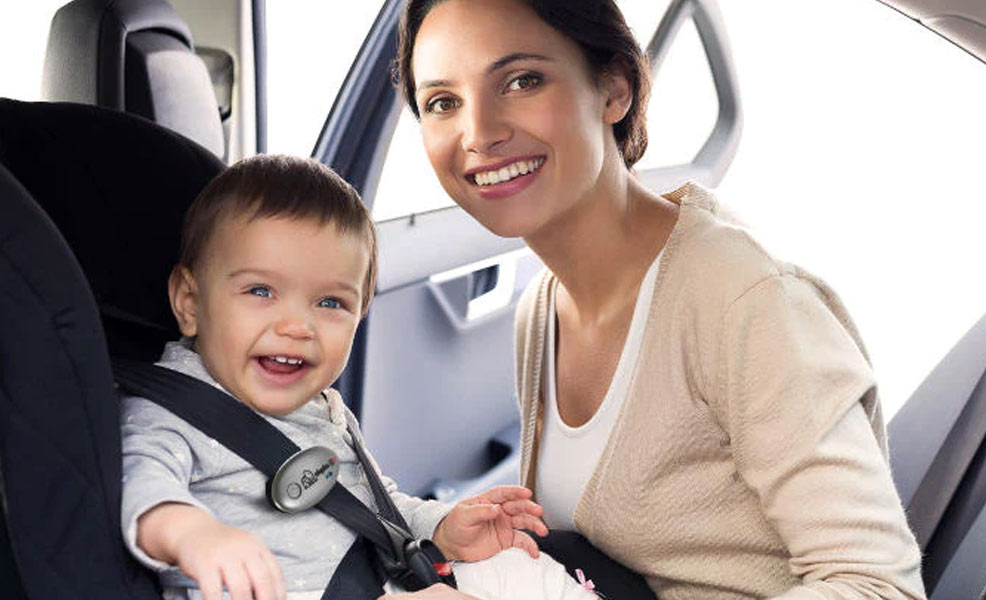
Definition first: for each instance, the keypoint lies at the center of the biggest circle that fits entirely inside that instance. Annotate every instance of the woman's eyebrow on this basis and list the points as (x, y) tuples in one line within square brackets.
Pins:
[(506, 60), (433, 83), (496, 65)]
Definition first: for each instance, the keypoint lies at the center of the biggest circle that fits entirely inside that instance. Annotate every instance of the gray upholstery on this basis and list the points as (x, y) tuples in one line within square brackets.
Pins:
[(938, 458), (135, 56)]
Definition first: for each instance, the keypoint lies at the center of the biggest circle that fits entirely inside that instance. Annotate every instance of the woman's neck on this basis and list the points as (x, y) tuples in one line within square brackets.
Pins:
[(602, 247)]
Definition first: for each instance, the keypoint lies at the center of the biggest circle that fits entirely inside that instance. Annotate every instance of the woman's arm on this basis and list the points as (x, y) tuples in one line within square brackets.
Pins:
[(791, 379)]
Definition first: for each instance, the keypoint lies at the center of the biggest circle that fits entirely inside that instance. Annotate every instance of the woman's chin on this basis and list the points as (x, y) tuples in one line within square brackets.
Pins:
[(510, 226)]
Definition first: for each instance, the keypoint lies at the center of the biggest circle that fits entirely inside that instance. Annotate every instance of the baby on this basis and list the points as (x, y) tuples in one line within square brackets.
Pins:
[(276, 269)]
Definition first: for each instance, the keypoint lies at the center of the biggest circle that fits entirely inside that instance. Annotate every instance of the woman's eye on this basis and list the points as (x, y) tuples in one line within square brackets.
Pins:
[(524, 82), (261, 290), (442, 104), (329, 303)]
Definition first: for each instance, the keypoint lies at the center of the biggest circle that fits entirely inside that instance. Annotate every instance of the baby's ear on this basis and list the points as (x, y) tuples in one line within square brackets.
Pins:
[(183, 293)]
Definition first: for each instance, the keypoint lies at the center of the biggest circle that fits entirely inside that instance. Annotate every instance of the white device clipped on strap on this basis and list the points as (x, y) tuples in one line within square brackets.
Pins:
[(303, 480)]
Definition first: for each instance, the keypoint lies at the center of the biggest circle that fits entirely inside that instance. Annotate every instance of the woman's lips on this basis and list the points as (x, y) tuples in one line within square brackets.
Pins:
[(511, 170)]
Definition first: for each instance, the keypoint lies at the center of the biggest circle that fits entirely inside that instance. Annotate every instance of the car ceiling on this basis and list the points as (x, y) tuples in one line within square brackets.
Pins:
[(963, 22)]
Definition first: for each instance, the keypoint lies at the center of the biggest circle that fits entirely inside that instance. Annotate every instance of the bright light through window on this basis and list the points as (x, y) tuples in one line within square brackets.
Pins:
[(310, 46), (862, 160), (23, 38)]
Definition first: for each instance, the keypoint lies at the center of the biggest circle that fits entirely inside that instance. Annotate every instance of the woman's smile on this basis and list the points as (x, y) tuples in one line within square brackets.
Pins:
[(505, 178)]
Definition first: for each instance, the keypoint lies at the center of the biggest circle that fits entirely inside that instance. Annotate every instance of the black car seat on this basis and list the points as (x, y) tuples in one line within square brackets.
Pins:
[(938, 460), (107, 191), (135, 56)]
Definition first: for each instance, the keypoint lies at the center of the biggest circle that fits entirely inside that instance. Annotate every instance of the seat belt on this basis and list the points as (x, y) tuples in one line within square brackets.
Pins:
[(414, 564)]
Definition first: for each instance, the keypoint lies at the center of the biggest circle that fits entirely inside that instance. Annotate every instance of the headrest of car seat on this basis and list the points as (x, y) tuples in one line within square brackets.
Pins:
[(116, 187), (59, 420), (136, 56)]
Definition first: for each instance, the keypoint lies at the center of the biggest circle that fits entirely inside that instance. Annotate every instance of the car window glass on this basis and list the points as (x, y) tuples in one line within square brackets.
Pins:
[(682, 107), (310, 46), (24, 35), (408, 184), (862, 161)]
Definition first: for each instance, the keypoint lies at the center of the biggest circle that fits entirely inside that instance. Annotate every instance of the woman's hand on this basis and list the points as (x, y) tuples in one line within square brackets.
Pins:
[(211, 553), (483, 525), (439, 591)]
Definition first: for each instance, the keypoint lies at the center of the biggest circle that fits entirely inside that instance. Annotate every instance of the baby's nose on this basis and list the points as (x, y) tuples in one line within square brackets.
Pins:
[(294, 327)]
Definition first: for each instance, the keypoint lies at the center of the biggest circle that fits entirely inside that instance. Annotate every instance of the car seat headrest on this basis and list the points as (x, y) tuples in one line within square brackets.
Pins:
[(117, 188), (135, 56)]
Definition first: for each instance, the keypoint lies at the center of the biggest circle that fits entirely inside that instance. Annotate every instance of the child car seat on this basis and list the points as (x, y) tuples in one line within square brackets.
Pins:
[(116, 187)]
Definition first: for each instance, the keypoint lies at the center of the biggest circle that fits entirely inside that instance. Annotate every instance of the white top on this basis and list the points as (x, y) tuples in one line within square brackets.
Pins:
[(560, 480)]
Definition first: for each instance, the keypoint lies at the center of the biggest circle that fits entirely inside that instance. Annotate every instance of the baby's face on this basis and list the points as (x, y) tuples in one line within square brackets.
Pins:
[(275, 307)]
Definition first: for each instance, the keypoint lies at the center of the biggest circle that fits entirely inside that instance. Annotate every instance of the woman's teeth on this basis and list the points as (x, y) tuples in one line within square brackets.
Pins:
[(503, 174)]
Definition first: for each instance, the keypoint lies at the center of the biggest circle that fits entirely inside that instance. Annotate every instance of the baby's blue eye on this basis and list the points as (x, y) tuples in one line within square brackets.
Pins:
[(329, 303), (261, 290)]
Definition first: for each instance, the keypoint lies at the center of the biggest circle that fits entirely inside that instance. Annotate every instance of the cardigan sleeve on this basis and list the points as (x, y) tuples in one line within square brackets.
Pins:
[(789, 383)]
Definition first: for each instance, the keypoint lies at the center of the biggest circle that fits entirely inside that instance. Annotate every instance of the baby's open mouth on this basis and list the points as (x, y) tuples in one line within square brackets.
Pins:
[(281, 365)]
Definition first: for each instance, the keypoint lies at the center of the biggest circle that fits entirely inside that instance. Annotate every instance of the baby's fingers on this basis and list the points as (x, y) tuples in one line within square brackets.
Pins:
[(524, 542), (210, 584), (529, 522), (277, 577), (518, 507), (500, 494), (237, 581), (475, 514), (261, 578)]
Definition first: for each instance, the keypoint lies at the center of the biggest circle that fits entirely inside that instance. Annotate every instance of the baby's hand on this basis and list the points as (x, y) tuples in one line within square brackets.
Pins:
[(211, 553), (483, 525)]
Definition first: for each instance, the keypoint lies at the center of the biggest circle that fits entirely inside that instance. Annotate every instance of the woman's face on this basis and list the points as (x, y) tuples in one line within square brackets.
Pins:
[(514, 123)]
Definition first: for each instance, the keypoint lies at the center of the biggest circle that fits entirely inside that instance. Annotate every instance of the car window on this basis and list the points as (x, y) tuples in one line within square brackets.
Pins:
[(862, 160), (25, 36), (310, 46)]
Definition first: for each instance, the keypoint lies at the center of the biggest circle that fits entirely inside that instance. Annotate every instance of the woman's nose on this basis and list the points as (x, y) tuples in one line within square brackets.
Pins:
[(484, 127)]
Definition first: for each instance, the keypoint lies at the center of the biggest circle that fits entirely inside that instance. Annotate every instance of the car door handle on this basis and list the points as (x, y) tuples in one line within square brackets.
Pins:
[(504, 460), (472, 295)]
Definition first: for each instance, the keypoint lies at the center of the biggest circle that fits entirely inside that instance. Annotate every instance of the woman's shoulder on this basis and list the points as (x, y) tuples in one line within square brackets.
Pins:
[(712, 252)]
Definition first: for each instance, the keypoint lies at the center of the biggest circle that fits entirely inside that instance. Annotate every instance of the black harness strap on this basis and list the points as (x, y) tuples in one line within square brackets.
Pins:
[(241, 430), (244, 432)]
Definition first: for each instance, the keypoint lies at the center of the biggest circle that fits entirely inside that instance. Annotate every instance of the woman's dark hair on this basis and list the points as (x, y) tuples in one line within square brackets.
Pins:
[(596, 26)]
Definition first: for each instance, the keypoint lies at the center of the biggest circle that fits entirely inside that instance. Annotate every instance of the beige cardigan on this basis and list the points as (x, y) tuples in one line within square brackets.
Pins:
[(739, 466)]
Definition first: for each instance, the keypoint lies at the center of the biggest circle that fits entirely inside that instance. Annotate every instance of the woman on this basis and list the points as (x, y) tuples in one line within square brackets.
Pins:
[(700, 411)]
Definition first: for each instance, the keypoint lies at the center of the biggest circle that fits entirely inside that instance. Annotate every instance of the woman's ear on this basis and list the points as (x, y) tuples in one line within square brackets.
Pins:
[(183, 293), (618, 92)]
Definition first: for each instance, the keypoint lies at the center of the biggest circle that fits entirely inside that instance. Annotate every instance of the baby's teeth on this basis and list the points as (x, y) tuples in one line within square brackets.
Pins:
[(280, 359)]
